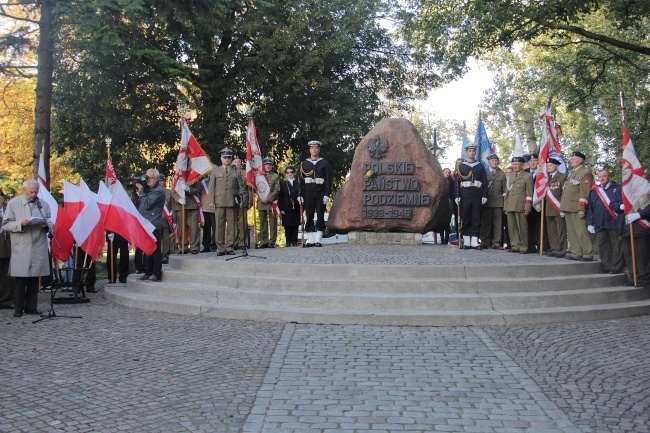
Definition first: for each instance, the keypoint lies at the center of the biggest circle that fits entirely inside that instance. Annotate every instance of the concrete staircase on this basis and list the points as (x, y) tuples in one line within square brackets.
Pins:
[(385, 295)]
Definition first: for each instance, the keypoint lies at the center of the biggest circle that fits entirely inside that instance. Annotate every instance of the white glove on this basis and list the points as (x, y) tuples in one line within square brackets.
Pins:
[(484, 200), (300, 200), (591, 229), (326, 199), (622, 207), (187, 188), (111, 236), (457, 201), (630, 218), (562, 214)]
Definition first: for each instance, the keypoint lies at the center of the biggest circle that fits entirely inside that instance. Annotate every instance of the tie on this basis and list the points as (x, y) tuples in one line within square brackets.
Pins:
[(227, 170)]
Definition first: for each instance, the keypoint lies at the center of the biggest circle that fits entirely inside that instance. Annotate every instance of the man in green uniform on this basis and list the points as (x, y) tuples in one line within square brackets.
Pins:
[(555, 224), (517, 205), (492, 215), (268, 221), (575, 199)]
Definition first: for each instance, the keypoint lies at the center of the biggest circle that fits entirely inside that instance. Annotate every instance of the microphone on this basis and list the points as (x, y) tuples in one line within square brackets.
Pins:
[(38, 202)]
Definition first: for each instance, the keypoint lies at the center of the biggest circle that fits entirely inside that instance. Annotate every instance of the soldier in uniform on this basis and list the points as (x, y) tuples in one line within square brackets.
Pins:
[(192, 226), (316, 186), (602, 221), (517, 205), (555, 224), (268, 234), (226, 196), (575, 199), (492, 218), (242, 224), (472, 194)]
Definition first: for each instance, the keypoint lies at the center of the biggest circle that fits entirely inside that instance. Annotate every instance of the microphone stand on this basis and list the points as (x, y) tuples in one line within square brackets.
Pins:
[(244, 252), (56, 274)]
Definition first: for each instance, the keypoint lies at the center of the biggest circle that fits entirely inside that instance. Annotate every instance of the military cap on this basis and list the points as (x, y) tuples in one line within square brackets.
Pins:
[(226, 151), (580, 154), (161, 177), (470, 147), (517, 159), (493, 156), (553, 161), (267, 160), (236, 156), (526, 157), (314, 143), (534, 156)]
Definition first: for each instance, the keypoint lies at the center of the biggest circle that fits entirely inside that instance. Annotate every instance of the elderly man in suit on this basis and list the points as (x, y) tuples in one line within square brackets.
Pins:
[(28, 222)]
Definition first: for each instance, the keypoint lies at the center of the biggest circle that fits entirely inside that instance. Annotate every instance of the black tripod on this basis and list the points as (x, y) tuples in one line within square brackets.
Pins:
[(244, 253)]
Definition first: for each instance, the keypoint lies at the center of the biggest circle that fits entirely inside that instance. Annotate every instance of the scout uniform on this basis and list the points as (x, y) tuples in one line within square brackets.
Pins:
[(315, 186), (519, 199), (224, 189), (555, 224), (575, 198), (492, 215), (268, 222)]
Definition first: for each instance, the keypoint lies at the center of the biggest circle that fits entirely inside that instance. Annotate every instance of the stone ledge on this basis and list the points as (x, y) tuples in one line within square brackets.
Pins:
[(384, 238)]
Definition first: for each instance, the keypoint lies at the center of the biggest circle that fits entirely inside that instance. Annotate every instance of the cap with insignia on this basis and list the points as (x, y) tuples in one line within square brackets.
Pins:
[(493, 156), (267, 160), (226, 151), (534, 156), (580, 154), (517, 159), (525, 157), (470, 147), (315, 143), (235, 156), (553, 161)]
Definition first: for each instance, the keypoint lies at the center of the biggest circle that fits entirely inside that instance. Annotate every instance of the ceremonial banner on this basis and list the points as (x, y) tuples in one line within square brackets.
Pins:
[(636, 189), (255, 176), (87, 228), (121, 216), (110, 177), (191, 163), (482, 143)]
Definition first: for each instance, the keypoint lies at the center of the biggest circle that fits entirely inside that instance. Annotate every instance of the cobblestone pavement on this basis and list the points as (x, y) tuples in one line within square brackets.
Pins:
[(121, 369)]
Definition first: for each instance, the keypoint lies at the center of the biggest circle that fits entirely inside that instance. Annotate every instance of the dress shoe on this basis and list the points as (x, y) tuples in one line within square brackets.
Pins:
[(309, 245), (221, 253), (194, 252), (33, 312), (230, 253), (614, 271), (572, 257), (91, 290), (318, 244), (18, 315), (154, 279), (479, 248), (205, 250), (6, 307), (165, 261), (271, 245), (138, 271), (587, 259), (467, 247), (523, 252), (144, 277), (213, 248), (559, 256), (550, 254)]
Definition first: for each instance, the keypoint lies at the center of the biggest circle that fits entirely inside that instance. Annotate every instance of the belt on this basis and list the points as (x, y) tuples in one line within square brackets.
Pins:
[(316, 180), (467, 184)]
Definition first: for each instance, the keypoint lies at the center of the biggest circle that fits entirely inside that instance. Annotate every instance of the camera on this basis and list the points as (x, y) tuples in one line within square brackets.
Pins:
[(141, 179)]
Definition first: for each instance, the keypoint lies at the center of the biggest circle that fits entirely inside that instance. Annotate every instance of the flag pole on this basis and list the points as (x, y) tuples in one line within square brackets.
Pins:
[(630, 225), (111, 278), (541, 227), (255, 198)]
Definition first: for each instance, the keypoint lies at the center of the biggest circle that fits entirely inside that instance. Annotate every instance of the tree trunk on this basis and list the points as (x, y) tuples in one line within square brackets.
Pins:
[(529, 132), (43, 107)]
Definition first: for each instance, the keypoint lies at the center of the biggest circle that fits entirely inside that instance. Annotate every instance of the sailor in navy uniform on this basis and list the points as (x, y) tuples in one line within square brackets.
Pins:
[(472, 188), (315, 188)]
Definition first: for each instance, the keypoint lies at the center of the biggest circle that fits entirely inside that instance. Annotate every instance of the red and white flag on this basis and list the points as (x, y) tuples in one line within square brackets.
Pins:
[(120, 216), (63, 240), (43, 193), (255, 175), (87, 228), (636, 188), (191, 163), (42, 177), (110, 177), (550, 148), (72, 203)]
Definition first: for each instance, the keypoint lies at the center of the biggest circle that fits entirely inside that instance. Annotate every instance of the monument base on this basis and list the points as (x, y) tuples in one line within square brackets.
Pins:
[(382, 238)]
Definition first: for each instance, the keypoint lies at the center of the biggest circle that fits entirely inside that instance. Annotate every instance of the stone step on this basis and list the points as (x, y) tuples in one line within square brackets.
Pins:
[(395, 283), (389, 301), (148, 301), (255, 267)]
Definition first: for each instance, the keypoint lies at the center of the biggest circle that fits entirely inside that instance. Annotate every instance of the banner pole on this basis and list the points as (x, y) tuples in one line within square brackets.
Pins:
[(541, 227)]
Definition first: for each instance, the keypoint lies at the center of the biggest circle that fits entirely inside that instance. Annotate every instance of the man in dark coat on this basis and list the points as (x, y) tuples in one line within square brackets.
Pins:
[(6, 282), (152, 200), (602, 221), (290, 207)]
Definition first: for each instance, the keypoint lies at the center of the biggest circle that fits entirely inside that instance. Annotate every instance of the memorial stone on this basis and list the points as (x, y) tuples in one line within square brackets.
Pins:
[(395, 185)]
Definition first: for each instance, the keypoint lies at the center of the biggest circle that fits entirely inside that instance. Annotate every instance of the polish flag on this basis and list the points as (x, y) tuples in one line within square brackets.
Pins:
[(43, 193), (110, 177), (87, 228), (636, 188), (121, 216), (42, 177), (191, 163), (63, 240), (72, 203)]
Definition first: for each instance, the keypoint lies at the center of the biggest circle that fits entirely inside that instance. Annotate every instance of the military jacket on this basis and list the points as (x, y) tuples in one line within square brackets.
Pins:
[(577, 187), (471, 180), (555, 185), (519, 192), (274, 192), (311, 171), (190, 204), (496, 187), (224, 185)]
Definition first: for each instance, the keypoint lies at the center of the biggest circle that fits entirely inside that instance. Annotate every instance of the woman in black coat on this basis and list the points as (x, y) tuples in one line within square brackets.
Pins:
[(289, 206)]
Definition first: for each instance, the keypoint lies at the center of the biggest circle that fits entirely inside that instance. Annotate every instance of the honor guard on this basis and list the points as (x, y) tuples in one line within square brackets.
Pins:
[(268, 234), (316, 185), (472, 195), (575, 199), (555, 224), (517, 205)]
